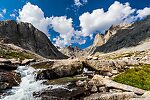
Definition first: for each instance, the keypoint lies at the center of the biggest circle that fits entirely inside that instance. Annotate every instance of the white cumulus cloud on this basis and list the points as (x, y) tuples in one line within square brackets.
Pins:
[(64, 27), (33, 14), (143, 12), (99, 20)]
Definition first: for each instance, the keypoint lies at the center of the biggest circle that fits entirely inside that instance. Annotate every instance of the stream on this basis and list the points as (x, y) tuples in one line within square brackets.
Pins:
[(27, 86)]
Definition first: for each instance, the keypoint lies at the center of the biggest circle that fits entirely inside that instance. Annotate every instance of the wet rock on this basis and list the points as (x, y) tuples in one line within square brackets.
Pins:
[(68, 92), (59, 69), (111, 96), (7, 67), (4, 85), (9, 79), (47, 74)]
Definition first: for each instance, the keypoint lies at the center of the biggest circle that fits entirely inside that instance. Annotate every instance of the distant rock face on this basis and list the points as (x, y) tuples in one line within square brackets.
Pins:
[(125, 35), (73, 52), (99, 40), (28, 37)]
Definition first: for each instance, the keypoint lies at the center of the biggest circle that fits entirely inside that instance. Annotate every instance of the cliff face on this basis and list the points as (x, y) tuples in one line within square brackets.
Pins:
[(73, 52), (99, 40), (28, 37), (124, 36)]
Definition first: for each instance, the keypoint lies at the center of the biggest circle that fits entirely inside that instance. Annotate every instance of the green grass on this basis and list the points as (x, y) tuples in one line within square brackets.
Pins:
[(138, 77), (13, 54)]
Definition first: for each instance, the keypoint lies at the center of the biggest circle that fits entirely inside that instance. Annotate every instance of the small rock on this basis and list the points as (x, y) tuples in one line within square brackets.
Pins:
[(96, 80), (89, 57), (114, 72), (80, 83), (107, 74), (4, 85), (94, 89), (102, 89)]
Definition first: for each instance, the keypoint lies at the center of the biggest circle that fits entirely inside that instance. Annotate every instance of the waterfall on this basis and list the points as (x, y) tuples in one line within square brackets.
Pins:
[(27, 86)]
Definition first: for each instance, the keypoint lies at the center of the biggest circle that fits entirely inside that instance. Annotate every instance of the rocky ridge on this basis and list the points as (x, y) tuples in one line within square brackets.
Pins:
[(124, 36), (26, 36)]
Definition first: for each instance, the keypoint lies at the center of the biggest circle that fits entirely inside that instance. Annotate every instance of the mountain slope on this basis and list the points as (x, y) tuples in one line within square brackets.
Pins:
[(28, 37), (125, 37)]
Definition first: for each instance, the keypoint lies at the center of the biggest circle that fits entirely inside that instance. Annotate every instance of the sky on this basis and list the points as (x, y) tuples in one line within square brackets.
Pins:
[(74, 22)]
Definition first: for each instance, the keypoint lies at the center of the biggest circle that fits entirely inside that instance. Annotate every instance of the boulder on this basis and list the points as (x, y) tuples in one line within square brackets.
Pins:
[(94, 89), (58, 69), (97, 80), (9, 79), (100, 65), (111, 96), (102, 89), (63, 92), (115, 85), (100, 81)]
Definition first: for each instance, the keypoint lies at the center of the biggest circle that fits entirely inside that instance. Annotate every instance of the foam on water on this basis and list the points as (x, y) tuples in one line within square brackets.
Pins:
[(27, 86)]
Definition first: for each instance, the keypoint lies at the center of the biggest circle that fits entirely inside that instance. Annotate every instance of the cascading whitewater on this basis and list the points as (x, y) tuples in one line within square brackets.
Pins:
[(27, 86)]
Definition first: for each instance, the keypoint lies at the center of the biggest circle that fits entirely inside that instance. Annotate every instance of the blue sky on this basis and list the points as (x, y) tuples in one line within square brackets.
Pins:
[(74, 22)]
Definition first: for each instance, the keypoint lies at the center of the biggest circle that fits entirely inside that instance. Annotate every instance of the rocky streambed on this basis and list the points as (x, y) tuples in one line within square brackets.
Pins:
[(70, 79)]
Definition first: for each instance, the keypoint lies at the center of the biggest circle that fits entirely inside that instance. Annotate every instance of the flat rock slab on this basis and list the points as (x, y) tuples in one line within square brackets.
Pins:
[(112, 84), (59, 68), (111, 96)]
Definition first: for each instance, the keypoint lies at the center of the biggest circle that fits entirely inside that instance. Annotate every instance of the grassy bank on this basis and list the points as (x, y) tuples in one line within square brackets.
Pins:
[(138, 77)]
